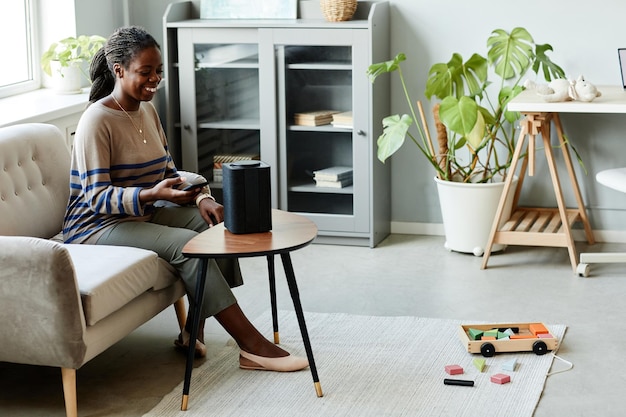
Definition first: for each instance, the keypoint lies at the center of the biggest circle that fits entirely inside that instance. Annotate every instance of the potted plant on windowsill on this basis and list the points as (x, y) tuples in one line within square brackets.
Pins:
[(65, 61), (475, 133)]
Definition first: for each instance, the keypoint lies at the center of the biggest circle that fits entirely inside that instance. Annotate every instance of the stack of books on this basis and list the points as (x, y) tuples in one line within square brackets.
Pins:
[(314, 118), (343, 119), (333, 177), (218, 160)]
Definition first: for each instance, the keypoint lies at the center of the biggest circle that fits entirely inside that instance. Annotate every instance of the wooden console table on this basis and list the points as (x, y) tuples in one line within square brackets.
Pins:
[(547, 226)]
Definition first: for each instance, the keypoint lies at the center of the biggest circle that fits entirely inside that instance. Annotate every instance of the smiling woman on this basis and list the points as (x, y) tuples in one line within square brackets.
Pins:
[(16, 41), (125, 191)]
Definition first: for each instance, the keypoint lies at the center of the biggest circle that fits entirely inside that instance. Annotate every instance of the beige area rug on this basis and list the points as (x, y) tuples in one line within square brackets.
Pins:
[(368, 366)]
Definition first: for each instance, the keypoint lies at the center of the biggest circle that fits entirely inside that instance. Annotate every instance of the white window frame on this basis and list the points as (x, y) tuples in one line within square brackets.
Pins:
[(35, 72)]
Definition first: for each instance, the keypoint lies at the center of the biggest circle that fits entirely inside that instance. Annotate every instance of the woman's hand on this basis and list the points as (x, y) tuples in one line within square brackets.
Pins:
[(165, 190), (211, 211)]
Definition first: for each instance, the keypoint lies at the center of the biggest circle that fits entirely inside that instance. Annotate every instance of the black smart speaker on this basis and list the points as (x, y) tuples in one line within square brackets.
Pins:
[(247, 197)]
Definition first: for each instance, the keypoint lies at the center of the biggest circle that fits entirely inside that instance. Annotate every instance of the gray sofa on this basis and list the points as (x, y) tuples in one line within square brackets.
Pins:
[(61, 305)]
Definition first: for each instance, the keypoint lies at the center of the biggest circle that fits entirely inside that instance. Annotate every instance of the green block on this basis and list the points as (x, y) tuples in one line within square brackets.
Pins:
[(475, 334), (502, 335), (492, 333), (479, 363)]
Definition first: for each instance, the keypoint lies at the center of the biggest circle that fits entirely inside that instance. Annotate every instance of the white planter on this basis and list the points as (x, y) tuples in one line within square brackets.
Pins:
[(468, 211), (66, 80)]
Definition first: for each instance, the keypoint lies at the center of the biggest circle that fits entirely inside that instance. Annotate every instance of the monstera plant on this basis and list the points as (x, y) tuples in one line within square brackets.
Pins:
[(475, 132)]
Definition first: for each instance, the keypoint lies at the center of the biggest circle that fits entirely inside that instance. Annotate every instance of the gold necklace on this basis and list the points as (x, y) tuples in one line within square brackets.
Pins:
[(138, 129)]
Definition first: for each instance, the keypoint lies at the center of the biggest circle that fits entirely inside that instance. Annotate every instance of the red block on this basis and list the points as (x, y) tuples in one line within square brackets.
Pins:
[(454, 369), (500, 378)]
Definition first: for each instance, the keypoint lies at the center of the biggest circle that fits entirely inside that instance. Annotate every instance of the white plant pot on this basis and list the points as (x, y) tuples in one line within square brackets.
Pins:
[(468, 212), (66, 80)]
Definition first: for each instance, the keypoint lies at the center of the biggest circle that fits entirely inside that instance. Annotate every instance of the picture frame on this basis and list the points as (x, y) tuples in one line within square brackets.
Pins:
[(248, 9)]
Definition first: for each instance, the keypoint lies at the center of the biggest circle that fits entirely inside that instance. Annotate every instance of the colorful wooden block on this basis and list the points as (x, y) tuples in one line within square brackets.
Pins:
[(491, 333), (513, 329), (474, 334), (509, 331), (522, 336), (545, 336), (500, 378), (454, 369), (509, 365), (479, 363), (488, 338), (502, 335), (537, 328)]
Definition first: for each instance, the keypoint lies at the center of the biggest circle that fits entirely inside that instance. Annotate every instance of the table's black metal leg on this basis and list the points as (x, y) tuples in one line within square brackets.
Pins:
[(272, 277), (295, 296), (196, 309)]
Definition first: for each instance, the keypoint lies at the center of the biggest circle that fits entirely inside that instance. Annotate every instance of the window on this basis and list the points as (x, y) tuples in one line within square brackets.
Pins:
[(17, 42)]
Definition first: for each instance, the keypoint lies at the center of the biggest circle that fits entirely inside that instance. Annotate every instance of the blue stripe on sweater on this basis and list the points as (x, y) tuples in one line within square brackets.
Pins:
[(142, 165)]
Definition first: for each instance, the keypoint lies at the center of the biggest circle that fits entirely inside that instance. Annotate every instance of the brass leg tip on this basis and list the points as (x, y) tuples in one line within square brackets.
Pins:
[(318, 389), (276, 338), (183, 405)]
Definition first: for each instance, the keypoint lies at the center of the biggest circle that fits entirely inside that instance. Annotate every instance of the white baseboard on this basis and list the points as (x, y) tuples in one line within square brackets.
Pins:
[(436, 229)]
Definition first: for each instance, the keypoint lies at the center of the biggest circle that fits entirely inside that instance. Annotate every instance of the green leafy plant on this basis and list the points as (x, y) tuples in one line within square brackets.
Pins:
[(475, 133), (72, 51)]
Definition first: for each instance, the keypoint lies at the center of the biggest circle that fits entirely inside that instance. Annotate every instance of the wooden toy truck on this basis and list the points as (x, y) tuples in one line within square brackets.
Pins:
[(489, 339)]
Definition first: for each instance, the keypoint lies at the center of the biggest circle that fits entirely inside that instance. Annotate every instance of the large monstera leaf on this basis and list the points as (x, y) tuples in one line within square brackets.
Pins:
[(457, 78), (463, 117), (395, 130), (510, 54)]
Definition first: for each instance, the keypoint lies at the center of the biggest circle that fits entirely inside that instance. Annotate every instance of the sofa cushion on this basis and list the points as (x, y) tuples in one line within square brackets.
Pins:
[(111, 276)]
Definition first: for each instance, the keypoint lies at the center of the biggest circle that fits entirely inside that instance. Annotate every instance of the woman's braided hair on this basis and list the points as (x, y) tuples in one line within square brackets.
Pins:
[(121, 48)]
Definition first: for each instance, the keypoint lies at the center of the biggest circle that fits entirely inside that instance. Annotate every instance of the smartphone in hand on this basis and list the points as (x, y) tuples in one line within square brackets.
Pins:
[(186, 186)]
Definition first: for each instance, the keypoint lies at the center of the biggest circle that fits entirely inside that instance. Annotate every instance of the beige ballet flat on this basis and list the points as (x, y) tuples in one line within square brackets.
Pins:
[(282, 364), (182, 343)]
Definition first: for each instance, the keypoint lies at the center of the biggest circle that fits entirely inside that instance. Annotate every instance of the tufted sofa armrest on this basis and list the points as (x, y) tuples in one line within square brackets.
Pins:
[(41, 319)]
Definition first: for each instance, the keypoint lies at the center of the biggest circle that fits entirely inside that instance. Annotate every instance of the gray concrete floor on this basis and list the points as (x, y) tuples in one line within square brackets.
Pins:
[(405, 275)]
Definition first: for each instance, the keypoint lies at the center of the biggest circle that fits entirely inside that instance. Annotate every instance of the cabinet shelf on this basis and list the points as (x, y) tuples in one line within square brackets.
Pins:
[(339, 66), (322, 128), (306, 187), (244, 124), (242, 63)]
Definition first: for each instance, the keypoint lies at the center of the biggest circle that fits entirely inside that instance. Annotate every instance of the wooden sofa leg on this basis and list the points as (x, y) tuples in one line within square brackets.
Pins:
[(181, 312), (69, 391)]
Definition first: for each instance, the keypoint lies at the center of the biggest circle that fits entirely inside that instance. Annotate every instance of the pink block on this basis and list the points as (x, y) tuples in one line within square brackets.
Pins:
[(500, 378), (545, 336), (454, 369)]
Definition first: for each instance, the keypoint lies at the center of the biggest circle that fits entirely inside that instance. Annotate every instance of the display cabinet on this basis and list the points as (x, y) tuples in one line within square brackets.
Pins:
[(243, 89)]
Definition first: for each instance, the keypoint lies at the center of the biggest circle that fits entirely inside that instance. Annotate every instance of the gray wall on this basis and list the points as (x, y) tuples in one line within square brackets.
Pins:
[(585, 39)]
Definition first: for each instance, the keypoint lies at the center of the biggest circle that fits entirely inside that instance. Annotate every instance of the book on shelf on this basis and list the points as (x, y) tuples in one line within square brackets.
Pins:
[(343, 119), (314, 118), (334, 184), (334, 173), (220, 159)]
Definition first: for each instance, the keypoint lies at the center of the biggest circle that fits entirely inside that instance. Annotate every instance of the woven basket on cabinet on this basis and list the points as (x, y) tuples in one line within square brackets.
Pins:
[(338, 10)]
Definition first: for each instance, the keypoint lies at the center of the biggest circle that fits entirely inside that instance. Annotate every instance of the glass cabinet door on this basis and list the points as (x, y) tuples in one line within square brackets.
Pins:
[(222, 122), (318, 86), (319, 126)]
